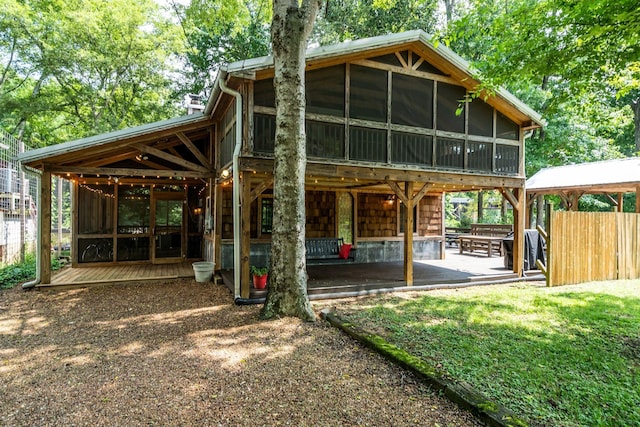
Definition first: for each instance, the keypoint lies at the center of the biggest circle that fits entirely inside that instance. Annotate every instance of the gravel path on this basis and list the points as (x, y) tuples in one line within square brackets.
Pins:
[(182, 354)]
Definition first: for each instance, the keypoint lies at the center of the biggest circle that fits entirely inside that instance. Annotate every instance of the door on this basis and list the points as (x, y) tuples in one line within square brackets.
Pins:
[(167, 227)]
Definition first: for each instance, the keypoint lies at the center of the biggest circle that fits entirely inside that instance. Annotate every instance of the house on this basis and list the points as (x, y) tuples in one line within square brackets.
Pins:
[(389, 123)]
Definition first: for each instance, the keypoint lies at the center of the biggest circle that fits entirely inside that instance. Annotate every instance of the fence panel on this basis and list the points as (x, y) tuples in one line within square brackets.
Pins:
[(628, 245), (18, 203), (583, 247)]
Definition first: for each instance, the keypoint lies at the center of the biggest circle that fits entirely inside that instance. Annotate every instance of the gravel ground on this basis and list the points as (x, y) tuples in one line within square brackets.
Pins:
[(181, 353)]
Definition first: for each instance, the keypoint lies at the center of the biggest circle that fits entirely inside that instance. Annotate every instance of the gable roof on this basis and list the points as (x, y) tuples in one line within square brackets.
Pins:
[(452, 63), (109, 138), (611, 176)]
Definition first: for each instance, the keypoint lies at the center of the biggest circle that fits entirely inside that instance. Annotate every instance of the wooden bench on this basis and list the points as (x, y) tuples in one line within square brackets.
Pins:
[(326, 250), (451, 234), (484, 237)]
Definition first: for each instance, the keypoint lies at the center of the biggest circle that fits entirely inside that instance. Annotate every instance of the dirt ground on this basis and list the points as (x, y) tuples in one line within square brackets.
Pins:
[(181, 353)]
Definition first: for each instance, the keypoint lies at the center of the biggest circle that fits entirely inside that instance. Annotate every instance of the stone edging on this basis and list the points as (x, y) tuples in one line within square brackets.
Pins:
[(459, 392)]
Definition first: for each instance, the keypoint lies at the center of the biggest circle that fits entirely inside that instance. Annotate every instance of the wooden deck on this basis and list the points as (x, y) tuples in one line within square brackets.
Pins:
[(87, 276), (333, 281)]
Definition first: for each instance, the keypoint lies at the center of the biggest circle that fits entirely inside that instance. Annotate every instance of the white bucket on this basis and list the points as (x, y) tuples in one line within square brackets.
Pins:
[(203, 271)]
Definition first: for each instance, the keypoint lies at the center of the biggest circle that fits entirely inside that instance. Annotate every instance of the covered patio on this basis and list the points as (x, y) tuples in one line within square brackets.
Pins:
[(324, 280), (348, 280)]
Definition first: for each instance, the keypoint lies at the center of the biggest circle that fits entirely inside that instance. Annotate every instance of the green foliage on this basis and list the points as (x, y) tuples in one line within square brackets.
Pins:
[(348, 20), (218, 33), (259, 271), (20, 272), (572, 61), (558, 356), (73, 69)]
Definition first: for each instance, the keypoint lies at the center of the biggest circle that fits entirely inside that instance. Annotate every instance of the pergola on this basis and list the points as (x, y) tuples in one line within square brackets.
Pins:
[(612, 178)]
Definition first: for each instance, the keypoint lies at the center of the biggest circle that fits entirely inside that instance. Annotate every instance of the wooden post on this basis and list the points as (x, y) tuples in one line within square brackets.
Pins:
[(638, 199), (354, 226), (480, 206), (549, 229), (408, 234), (620, 202), (540, 208), (245, 230), (75, 187), (45, 228), (59, 188), (518, 230), (216, 213)]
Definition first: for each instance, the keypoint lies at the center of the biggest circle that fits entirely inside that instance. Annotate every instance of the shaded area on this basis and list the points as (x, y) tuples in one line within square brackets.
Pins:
[(352, 279)]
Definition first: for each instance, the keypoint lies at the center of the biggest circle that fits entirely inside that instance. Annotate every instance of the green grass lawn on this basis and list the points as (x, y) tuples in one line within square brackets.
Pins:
[(567, 356)]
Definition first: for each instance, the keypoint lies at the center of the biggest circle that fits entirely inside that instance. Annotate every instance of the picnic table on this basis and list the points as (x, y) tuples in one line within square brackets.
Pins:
[(474, 242)]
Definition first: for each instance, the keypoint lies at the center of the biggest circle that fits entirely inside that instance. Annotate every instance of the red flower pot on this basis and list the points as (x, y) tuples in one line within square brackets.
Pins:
[(260, 282)]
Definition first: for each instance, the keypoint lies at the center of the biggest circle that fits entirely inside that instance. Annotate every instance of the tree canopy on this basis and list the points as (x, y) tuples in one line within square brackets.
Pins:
[(69, 69)]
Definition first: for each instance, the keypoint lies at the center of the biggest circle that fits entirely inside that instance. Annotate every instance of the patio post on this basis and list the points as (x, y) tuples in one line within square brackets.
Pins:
[(408, 234), (518, 230), (245, 227), (45, 228)]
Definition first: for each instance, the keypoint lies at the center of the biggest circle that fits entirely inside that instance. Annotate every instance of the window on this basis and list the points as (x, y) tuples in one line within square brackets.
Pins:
[(480, 118), (450, 98), (266, 215), (133, 209), (325, 91), (412, 101), (368, 95)]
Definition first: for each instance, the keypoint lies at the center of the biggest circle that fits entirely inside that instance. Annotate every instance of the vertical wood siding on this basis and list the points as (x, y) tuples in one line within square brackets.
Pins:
[(591, 246)]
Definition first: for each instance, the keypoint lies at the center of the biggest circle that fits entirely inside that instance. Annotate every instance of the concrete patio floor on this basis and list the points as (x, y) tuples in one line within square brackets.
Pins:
[(456, 270)]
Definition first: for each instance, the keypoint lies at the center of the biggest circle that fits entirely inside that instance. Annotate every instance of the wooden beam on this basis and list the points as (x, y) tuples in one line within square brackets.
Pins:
[(79, 170), (194, 150), (421, 193), (408, 234), (511, 198), (260, 188), (45, 227), (611, 200), (245, 232), (398, 192), (171, 158), (518, 231), (620, 202)]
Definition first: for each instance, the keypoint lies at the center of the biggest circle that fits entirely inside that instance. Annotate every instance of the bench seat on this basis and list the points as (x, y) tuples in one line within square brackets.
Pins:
[(326, 250)]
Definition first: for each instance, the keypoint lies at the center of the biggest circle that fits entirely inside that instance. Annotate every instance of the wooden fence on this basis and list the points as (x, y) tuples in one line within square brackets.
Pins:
[(591, 246)]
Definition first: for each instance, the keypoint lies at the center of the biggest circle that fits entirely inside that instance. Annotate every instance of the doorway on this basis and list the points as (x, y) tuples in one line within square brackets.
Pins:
[(167, 227)]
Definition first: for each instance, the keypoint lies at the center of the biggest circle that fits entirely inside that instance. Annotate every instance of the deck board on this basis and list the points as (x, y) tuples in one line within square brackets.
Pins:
[(83, 276)]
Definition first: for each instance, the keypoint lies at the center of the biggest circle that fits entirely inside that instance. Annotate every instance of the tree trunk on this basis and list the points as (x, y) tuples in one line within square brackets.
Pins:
[(635, 106), (287, 292)]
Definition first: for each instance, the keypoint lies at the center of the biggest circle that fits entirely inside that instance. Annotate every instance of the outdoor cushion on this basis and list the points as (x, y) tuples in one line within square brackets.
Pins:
[(344, 251)]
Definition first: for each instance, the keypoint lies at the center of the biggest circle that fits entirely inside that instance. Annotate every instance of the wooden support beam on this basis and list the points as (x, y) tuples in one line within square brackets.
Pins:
[(611, 200), (215, 209), (620, 202), (80, 170), (508, 194), (45, 228), (260, 188), (518, 230), (398, 192), (171, 158), (194, 150), (408, 234), (421, 193), (245, 232)]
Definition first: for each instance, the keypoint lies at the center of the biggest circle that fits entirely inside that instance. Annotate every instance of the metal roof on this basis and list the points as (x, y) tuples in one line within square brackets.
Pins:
[(356, 46), (107, 138), (620, 175)]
